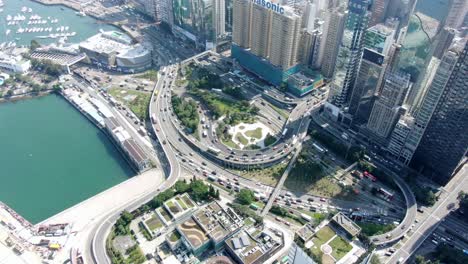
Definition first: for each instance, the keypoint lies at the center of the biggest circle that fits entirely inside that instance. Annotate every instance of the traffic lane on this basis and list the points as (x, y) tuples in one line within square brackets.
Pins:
[(434, 219)]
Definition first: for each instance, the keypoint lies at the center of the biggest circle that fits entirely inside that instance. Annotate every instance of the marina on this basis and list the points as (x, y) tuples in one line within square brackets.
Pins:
[(24, 20)]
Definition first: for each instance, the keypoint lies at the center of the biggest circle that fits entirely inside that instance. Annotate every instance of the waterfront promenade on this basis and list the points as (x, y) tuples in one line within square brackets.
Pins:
[(84, 216)]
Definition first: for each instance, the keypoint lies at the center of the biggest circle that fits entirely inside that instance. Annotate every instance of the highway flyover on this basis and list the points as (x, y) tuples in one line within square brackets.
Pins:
[(97, 239)]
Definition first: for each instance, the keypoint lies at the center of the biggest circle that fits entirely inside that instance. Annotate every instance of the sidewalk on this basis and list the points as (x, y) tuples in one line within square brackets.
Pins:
[(83, 213)]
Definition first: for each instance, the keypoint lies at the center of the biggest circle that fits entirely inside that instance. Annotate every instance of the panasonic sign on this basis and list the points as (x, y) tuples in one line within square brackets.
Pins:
[(269, 5)]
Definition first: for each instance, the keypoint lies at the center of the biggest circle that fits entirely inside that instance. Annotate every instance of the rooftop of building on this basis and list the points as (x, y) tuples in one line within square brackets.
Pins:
[(382, 29), (135, 150), (179, 205), (113, 42), (249, 249), (192, 231), (347, 224), (218, 221), (11, 58)]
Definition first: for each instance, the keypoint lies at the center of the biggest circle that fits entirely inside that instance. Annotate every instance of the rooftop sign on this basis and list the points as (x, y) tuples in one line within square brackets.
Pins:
[(269, 5)]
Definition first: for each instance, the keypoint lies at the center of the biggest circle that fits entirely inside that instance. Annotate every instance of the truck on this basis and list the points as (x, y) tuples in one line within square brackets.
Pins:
[(203, 120), (306, 217), (285, 131), (204, 134), (212, 177), (142, 131), (154, 118), (214, 150)]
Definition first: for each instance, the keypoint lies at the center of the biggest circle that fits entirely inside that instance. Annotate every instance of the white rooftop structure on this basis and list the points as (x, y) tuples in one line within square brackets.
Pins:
[(14, 63)]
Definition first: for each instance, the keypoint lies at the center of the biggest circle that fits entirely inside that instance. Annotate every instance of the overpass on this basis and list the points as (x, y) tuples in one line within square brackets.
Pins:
[(97, 241)]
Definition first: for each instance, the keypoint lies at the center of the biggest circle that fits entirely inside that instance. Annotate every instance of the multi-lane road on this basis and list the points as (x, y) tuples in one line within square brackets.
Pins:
[(98, 237), (433, 219)]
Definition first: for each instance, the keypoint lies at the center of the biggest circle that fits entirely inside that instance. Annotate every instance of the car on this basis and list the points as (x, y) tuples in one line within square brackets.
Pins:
[(214, 172), (323, 199), (203, 163)]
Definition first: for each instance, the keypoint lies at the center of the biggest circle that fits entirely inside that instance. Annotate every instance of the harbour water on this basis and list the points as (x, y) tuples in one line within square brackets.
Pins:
[(52, 19), (52, 157)]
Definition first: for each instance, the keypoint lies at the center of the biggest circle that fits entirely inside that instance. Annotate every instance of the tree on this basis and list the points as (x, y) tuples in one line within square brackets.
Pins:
[(181, 187), (245, 196), (34, 45), (463, 199), (127, 216), (56, 87), (199, 190), (420, 260)]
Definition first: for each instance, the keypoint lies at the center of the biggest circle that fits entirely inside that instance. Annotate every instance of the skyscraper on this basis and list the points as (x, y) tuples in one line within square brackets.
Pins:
[(266, 39), (368, 82), (445, 141), (241, 23), (378, 12), (166, 13), (331, 38), (457, 13), (379, 38), (430, 99), (285, 37), (260, 31), (350, 52), (220, 17), (387, 107)]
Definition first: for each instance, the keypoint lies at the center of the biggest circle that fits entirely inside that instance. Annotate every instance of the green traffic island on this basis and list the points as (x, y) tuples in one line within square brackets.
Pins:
[(353, 154), (308, 218), (373, 229), (151, 75), (268, 176), (186, 111), (137, 101), (233, 111)]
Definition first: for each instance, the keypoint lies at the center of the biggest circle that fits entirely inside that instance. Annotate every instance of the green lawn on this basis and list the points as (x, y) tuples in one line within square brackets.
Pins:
[(173, 207), (255, 133), (154, 223), (248, 221), (138, 105), (228, 142), (268, 176), (309, 176), (174, 236), (151, 75), (371, 229), (187, 201), (166, 216), (241, 139), (281, 112), (340, 247), (325, 234), (181, 203)]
